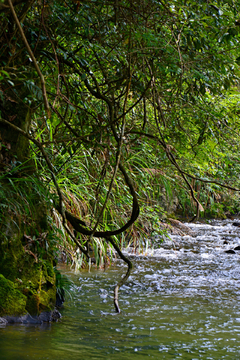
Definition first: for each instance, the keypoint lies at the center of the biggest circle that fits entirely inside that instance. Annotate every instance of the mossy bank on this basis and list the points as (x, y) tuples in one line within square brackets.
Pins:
[(27, 277)]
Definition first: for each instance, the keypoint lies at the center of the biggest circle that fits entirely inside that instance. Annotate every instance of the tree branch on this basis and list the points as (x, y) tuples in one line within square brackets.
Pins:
[(42, 80), (122, 281)]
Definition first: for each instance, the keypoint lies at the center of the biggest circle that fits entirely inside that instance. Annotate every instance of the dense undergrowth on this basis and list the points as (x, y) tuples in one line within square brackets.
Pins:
[(161, 195)]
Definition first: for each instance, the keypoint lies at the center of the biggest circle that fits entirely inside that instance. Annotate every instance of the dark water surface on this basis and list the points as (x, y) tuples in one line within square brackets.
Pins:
[(181, 302)]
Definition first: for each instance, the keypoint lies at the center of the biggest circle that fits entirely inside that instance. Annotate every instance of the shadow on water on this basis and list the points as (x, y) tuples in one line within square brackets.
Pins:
[(181, 302)]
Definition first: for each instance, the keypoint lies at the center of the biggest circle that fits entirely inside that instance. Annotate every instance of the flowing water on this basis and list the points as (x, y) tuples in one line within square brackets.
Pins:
[(181, 302)]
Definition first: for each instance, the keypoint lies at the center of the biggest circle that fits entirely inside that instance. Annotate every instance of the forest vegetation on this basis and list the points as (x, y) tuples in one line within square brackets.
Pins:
[(114, 116)]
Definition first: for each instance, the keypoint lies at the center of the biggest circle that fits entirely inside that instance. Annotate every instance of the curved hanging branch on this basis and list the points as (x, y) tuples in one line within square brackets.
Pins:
[(77, 224), (122, 281)]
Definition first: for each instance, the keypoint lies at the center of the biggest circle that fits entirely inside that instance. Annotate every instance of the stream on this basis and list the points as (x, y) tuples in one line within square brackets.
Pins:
[(181, 302)]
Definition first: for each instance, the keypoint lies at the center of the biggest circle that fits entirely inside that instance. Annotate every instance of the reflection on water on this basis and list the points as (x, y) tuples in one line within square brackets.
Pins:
[(181, 302)]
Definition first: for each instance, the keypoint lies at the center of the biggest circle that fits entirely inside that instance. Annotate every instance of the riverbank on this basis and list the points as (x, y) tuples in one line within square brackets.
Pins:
[(181, 302)]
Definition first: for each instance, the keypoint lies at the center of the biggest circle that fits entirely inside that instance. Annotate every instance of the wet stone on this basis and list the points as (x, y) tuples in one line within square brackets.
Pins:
[(230, 251)]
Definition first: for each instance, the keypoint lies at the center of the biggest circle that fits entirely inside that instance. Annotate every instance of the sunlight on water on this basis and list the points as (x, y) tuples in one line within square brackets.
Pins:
[(181, 302)]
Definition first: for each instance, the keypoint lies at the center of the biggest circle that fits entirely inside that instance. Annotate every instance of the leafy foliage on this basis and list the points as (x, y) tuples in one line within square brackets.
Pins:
[(151, 82)]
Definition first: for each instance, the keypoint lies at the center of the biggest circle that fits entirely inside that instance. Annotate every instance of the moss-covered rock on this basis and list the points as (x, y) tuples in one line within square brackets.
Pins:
[(35, 286), (12, 301), (27, 262)]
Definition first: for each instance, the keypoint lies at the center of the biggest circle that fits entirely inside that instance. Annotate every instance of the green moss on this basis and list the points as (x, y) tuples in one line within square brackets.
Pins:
[(26, 256), (12, 301), (9, 259), (32, 305), (39, 288), (31, 276), (47, 300), (50, 273)]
